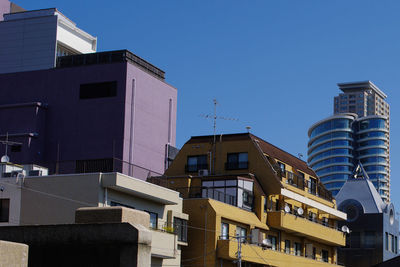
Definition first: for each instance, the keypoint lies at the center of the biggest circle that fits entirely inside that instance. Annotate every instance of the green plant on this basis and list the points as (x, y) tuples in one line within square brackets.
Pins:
[(169, 229)]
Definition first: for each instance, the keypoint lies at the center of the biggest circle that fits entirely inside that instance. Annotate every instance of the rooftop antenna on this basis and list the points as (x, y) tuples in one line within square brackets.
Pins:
[(300, 155), (5, 158), (248, 128), (215, 118)]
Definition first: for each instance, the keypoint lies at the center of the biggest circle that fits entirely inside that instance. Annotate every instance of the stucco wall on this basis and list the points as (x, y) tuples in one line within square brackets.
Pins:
[(150, 122), (13, 254), (4, 8)]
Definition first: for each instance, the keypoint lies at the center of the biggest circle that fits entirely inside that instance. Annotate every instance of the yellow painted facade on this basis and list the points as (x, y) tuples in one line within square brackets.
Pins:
[(240, 187)]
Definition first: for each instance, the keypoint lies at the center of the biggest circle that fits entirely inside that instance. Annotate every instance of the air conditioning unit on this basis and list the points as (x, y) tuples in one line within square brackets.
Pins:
[(256, 236), (203, 172)]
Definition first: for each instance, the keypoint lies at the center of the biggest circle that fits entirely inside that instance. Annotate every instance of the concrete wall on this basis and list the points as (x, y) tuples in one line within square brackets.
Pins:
[(54, 199), (150, 121), (13, 254), (134, 133), (28, 44), (86, 131), (4, 8), (12, 191)]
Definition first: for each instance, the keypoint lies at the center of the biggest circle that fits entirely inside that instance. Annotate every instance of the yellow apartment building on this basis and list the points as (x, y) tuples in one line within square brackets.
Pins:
[(250, 201)]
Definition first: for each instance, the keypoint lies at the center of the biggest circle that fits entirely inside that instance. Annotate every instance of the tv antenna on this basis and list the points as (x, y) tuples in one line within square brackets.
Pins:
[(5, 158), (215, 118)]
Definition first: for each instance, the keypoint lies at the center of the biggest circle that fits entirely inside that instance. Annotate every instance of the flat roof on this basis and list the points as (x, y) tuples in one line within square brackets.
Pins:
[(361, 86)]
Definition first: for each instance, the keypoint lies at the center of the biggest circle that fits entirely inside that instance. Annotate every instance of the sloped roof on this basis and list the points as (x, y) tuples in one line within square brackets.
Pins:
[(362, 190), (283, 156), (266, 147)]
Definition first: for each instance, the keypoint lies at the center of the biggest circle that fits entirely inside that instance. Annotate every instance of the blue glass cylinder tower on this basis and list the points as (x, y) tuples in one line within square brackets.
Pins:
[(330, 150), (338, 143)]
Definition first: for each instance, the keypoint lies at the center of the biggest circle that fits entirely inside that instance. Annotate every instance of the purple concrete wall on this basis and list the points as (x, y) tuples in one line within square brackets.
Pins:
[(4, 8), (71, 128), (148, 120), (75, 129)]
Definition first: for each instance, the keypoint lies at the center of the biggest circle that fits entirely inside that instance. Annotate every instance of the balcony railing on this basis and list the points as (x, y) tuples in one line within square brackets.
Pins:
[(259, 254), (196, 167), (237, 165), (109, 57), (318, 229), (295, 180)]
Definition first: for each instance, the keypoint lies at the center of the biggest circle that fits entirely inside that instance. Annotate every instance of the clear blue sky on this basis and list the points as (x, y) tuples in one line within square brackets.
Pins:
[(273, 65)]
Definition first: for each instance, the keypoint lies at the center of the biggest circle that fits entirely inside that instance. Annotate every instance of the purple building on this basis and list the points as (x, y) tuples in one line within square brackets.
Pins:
[(108, 111)]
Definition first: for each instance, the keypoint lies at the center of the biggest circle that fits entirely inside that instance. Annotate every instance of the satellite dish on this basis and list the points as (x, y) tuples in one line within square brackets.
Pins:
[(300, 211), (345, 229), (287, 208), (5, 159), (267, 243)]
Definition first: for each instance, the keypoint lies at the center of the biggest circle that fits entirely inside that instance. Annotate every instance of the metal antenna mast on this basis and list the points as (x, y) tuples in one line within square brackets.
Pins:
[(215, 118), (7, 143)]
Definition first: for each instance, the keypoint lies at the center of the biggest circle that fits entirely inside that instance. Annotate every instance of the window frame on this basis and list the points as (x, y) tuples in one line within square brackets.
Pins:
[(224, 235), (180, 228), (199, 165), (236, 163), (151, 225), (4, 210)]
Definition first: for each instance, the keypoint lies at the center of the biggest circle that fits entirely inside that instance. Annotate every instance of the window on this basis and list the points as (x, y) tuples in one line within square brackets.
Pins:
[(393, 245), (312, 186), (180, 228), (115, 204), (16, 148), (273, 242), (4, 209), (314, 253), (195, 163), (242, 233), (237, 161), (390, 242), (369, 239), (325, 221), (287, 246), (277, 205), (98, 90), (386, 241), (324, 255), (265, 204), (247, 198), (312, 216), (355, 239), (282, 167), (224, 231), (297, 249), (153, 219)]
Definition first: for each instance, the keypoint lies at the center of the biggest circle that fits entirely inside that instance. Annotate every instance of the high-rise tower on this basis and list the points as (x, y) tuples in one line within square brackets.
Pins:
[(357, 132)]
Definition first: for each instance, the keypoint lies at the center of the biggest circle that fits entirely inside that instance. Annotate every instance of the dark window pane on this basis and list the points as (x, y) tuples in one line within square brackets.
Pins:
[(4, 210), (98, 90)]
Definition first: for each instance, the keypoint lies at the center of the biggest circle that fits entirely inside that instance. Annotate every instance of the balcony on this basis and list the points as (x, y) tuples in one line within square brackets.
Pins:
[(304, 227), (164, 244), (227, 249), (196, 167), (294, 179), (240, 165)]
